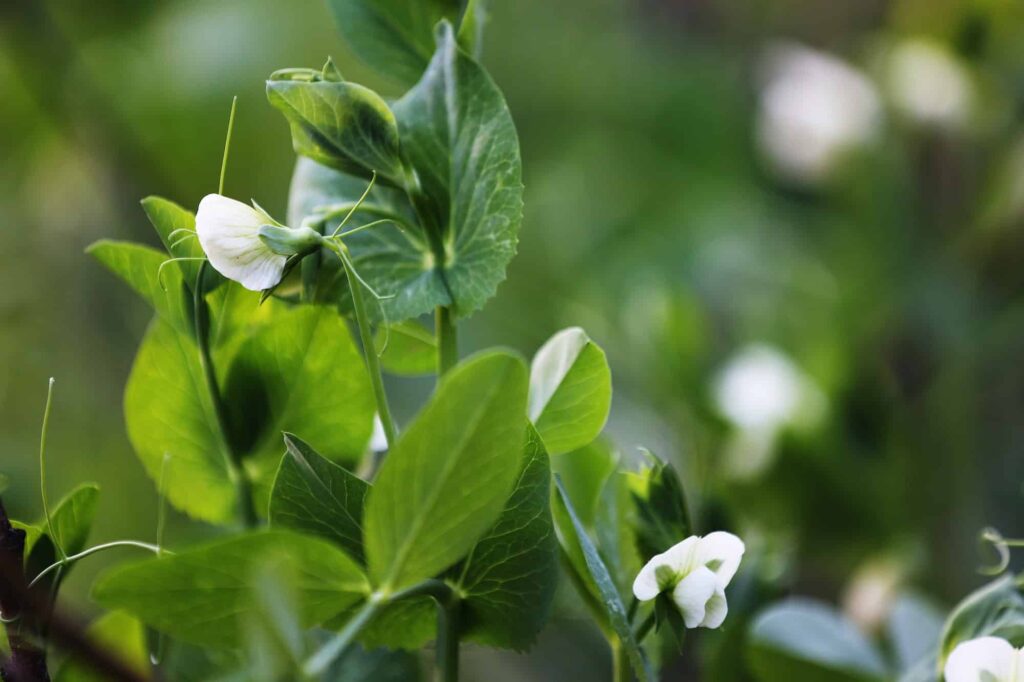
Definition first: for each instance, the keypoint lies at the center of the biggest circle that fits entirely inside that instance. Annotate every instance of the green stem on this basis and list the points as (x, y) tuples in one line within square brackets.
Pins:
[(645, 627), (620, 663), (42, 471), (448, 639), (366, 336), (319, 662), (447, 339), (243, 485)]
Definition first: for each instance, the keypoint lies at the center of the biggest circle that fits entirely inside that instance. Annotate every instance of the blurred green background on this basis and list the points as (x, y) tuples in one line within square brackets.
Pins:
[(797, 228)]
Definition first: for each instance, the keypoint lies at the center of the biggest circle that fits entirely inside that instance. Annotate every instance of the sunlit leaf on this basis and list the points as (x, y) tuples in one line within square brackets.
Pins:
[(120, 635)]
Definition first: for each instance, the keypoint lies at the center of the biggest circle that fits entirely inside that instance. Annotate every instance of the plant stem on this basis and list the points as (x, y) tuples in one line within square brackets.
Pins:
[(337, 645), (448, 639), (366, 336), (243, 485), (645, 627), (620, 663), (447, 339)]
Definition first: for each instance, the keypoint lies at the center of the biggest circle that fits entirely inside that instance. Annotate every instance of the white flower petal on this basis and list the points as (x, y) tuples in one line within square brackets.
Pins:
[(971, 659), (677, 559), (715, 610), (722, 550), (228, 231), (692, 594)]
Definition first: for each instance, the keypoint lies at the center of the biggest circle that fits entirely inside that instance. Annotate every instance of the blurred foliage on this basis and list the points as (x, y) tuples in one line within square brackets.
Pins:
[(654, 219)]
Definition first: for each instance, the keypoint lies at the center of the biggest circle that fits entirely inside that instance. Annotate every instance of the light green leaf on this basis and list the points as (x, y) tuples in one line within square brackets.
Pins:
[(570, 390), (168, 410), (119, 634), (173, 224), (573, 536), (510, 575), (138, 266), (459, 136), (316, 496), (801, 639), (340, 124), (204, 595), (300, 373), (447, 479), (395, 37), (410, 349), (995, 610)]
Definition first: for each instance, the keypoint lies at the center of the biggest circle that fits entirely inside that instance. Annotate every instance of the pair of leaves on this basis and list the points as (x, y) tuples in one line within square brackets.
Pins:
[(206, 595), (458, 136)]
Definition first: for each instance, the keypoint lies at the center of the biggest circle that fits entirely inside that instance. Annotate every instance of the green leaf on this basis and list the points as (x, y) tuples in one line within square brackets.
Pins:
[(340, 124), (168, 410), (570, 390), (173, 224), (800, 639), (395, 37), (459, 136), (119, 634), (471, 28), (378, 665), (317, 497), (915, 630), (662, 517), (138, 266), (510, 576), (573, 536), (410, 349), (995, 610), (447, 479), (72, 520), (300, 373), (584, 473), (204, 595)]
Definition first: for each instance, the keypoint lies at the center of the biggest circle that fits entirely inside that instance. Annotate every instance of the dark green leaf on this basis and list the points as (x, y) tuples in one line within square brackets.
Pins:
[(570, 391), (316, 496), (448, 477), (573, 536), (458, 134), (662, 517), (800, 639), (340, 124), (204, 595), (395, 37)]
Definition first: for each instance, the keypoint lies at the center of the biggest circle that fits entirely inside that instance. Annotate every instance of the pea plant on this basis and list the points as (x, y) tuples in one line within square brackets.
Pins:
[(346, 540)]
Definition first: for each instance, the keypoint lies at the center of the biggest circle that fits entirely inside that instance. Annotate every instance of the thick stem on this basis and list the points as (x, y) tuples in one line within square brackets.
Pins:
[(448, 640), (447, 339), (620, 663), (336, 646), (243, 486), (366, 336)]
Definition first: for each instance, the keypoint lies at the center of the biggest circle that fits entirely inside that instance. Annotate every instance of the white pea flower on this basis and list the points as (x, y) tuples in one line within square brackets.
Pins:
[(986, 659), (696, 571), (245, 244)]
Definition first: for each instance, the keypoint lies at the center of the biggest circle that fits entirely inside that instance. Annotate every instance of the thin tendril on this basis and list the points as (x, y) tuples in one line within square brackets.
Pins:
[(42, 470), (191, 235), (170, 235), (367, 226), (227, 145), (365, 284), (160, 270), (92, 550), (355, 208), (1002, 547)]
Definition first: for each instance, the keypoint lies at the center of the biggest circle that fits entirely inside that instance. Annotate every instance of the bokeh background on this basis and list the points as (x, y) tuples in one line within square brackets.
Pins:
[(796, 227)]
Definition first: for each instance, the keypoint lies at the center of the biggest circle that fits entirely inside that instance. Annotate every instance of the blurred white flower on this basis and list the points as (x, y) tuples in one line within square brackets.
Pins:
[(761, 390), (986, 659), (696, 571), (928, 85), (813, 108)]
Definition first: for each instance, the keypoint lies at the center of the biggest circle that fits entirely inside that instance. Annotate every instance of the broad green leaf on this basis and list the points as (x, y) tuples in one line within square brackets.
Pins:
[(396, 262), (274, 637), (915, 630), (138, 266), (995, 610), (510, 575), (662, 517), (168, 410), (340, 124), (574, 536), (316, 496), (584, 473), (447, 479), (570, 391), (120, 635), (174, 224), (458, 134), (301, 373), (409, 349), (204, 595), (72, 519), (800, 639), (395, 37)]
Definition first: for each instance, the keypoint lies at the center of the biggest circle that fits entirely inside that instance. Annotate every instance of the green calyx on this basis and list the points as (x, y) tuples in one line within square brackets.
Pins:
[(288, 242)]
